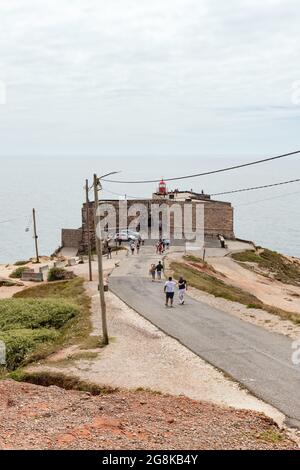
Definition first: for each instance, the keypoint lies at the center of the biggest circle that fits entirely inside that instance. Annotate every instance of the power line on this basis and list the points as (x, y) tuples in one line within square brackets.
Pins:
[(256, 187), (267, 199), (219, 194), (207, 172)]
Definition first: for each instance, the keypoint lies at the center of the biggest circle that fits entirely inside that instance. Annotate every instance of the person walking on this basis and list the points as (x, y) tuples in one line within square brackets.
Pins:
[(132, 247), (222, 241), (138, 246), (152, 271), (109, 251), (182, 288), (169, 290), (165, 244), (159, 269)]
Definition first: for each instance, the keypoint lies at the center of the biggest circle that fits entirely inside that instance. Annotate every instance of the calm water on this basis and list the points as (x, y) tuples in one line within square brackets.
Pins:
[(54, 186)]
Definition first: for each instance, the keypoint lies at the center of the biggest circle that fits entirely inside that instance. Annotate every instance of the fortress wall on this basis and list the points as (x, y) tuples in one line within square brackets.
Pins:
[(218, 218)]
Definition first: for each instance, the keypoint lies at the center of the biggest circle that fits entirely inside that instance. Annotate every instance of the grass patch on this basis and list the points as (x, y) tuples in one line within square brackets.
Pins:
[(84, 355), (271, 435), (92, 342), (247, 256), (254, 305), (277, 265), (218, 288), (194, 259), (47, 379), (21, 263), (42, 319), (211, 285), (147, 390)]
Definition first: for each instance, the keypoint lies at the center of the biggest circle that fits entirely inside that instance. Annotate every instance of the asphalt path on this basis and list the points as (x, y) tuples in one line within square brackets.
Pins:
[(256, 358)]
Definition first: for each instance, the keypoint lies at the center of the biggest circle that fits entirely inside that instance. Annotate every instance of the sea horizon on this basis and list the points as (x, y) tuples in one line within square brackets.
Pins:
[(55, 188)]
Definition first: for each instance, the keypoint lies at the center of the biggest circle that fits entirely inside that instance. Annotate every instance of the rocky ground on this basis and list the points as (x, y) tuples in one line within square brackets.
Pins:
[(34, 417)]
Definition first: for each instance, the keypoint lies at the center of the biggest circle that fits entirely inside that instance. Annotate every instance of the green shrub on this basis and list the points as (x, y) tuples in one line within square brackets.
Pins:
[(35, 313), (42, 319), (21, 342), (59, 274), (21, 263), (17, 273)]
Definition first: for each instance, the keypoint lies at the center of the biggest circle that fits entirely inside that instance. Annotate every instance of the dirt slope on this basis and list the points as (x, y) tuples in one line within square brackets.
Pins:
[(34, 417)]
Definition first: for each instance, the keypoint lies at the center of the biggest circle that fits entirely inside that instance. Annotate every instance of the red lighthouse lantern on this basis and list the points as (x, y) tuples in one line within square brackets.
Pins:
[(162, 187)]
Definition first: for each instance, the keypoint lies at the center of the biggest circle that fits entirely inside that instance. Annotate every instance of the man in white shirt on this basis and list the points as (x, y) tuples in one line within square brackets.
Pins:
[(169, 290)]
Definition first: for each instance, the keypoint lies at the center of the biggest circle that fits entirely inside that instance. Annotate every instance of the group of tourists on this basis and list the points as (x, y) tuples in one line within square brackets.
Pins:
[(135, 246), (169, 290), (156, 271)]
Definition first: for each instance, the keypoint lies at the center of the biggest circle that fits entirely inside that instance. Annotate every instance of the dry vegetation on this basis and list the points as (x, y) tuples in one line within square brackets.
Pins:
[(272, 264), (203, 277)]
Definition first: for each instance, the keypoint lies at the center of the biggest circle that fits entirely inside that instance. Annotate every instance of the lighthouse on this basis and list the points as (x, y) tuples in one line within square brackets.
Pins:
[(162, 188)]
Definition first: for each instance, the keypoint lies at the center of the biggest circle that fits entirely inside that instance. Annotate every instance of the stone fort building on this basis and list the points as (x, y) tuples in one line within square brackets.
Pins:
[(218, 216)]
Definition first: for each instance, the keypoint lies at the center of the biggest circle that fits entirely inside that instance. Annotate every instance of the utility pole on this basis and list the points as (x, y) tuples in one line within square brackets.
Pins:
[(100, 266), (88, 228), (35, 237)]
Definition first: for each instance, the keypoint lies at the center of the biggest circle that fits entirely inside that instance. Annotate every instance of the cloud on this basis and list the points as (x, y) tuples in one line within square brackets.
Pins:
[(133, 67)]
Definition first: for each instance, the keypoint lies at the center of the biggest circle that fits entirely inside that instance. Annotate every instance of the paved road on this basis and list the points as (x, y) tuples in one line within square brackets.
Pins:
[(256, 358)]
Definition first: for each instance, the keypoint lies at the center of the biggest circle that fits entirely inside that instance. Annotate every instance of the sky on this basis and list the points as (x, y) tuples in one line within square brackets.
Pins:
[(149, 78)]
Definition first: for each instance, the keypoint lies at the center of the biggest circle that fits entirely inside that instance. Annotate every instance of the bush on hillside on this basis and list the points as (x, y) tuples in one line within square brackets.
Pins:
[(35, 313), (20, 343), (39, 320), (17, 273), (59, 274), (21, 263)]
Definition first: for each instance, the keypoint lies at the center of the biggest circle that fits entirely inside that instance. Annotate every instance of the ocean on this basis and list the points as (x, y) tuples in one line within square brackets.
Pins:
[(54, 186)]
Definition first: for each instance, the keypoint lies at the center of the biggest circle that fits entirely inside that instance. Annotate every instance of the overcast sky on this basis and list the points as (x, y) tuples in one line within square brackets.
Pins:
[(149, 77)]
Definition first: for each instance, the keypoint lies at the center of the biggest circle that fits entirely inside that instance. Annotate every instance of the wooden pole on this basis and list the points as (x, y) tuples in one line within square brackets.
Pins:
[(100, 266), (88, 229), (35, 237)]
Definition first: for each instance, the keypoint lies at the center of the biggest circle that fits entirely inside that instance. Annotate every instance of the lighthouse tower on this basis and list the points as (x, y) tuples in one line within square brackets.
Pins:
[(162, 188)]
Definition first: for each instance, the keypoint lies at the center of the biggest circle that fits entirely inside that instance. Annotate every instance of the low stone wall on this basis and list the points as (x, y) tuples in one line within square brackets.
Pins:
[(32, 276)]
